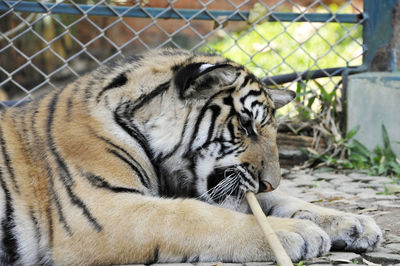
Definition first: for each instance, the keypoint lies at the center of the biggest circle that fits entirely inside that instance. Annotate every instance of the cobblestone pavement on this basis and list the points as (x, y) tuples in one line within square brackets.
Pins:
[(375, 196), (352, 192)]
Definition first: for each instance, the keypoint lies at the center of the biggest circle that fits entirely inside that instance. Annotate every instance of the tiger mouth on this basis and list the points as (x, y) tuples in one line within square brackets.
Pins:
[(231, 181)]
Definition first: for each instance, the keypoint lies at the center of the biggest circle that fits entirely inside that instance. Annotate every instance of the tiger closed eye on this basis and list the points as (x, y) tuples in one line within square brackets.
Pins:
[(247, 125)]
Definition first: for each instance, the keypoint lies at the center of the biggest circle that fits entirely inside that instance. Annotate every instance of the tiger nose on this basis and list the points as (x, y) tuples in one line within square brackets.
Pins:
[(264, 186)]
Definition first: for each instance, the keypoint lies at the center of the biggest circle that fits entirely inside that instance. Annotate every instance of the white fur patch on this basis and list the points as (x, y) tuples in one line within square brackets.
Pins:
[(202, 134), (25, 235), (205, 66)]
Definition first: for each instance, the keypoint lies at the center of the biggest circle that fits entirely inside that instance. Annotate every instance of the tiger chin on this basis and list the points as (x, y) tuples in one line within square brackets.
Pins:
[(147, 160)]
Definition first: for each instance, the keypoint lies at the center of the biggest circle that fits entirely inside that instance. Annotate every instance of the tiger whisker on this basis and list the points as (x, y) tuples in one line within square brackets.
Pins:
[(214, 188), (228, 189), (222, 190), (218, 190), (232, 189)]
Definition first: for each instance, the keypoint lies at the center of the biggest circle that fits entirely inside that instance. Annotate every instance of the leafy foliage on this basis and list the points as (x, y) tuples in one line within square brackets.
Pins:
[(283, 47), (351, 154)]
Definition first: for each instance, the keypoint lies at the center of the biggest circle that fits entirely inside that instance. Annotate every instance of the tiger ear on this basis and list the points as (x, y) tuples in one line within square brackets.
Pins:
[(200, 80), (281, 97)]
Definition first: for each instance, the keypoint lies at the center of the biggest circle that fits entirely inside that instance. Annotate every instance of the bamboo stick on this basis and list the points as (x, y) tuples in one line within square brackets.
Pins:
[(280, 254)]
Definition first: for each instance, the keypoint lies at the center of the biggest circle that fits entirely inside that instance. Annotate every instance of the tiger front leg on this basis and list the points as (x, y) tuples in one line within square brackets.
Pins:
[(347, 231), (147, 230)]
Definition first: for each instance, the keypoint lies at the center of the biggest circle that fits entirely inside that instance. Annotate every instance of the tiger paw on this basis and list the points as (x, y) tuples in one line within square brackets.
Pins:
[(349, 232), (301, 239)]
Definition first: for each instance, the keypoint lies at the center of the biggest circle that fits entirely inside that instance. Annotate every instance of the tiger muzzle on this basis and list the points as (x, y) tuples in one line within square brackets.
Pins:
[(264, 186), (270, 177)]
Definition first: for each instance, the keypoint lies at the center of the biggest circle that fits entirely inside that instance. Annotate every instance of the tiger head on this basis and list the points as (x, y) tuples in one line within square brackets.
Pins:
[(211, 128)]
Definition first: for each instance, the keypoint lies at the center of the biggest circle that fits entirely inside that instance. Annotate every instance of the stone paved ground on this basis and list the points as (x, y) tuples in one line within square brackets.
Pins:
[(353, 192)]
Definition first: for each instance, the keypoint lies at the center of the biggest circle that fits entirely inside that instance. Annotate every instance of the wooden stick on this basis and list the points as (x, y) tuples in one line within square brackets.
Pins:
[(280, 254)]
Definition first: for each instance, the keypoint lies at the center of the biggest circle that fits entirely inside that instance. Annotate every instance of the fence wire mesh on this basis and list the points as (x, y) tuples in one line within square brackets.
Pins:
[(48, 43)]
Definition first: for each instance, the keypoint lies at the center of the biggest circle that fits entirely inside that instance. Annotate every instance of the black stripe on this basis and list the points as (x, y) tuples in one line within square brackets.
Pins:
[(143, 179), (145, 98), (230, 151), (228, 100), (184, 259), (245, 82), (255, 92), (249, 181), (118, 81), (38, 234), (113, 145), (271, 118), (125, 112), (9, 241), (78, 202), (19, 122), (69, 108), (195, 259), (242, 100), (89, 89), (134, 132), (54, 197), (98, 181), (77, 86), (7, 161), (256, 103), (156, 254), (154, 257), (256, 114), (231, 130), (63, 172), (246, 111), (197, 125), (141, 140), (189, 73), (238, 74), (138, 166), (270, 211), (243, 176), (250, 93), (201, 116), (215, 112), (265, 122), (49, 218)]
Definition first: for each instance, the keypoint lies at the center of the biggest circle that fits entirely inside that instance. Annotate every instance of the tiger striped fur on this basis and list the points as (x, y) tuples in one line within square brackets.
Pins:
[(147, 160)]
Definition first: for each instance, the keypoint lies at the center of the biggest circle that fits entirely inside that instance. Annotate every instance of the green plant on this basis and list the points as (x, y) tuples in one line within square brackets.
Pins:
[(349, 153), (305, 99), (284, 47), (274, 48)]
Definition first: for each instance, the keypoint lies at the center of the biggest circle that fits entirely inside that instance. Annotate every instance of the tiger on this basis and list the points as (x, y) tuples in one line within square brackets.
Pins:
[(147, 159)]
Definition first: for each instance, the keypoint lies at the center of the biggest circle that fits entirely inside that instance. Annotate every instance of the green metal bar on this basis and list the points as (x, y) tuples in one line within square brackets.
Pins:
[(146, 12), (311, 74), (378, 32)]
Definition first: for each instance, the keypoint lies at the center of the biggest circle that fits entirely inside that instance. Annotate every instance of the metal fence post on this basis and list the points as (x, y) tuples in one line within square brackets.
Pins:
[(381, 35)]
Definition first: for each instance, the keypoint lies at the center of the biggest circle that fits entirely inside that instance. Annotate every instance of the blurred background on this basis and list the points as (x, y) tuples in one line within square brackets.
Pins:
[(53, 48)]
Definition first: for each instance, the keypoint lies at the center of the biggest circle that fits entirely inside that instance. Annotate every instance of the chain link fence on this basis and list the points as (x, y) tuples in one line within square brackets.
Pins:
[(46, 44)]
